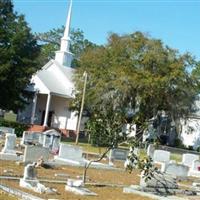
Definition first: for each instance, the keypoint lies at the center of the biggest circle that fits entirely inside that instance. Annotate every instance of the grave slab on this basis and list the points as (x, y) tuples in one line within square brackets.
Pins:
[(80, 191)]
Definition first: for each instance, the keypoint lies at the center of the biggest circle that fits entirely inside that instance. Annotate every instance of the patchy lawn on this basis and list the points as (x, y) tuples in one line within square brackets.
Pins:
[(94, 176)]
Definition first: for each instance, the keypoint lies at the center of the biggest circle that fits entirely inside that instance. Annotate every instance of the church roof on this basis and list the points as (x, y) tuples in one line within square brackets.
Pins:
[(57, 79)]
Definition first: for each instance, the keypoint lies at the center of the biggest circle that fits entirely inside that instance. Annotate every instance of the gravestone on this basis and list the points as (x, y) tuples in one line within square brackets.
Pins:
[(10, 116), (33, 153), (72, 155), (8, 152), (187, 159), (30, 137), (51, 140), (30, 181), (4, 129), (118, 154), (158, 180), (161, 156), (175, 169), (195, 169), (10, 143), (150, 150), (77, 187), (70, 152), (30, 172)]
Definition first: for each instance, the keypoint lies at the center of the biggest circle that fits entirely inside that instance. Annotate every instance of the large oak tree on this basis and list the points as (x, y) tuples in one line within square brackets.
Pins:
[(134, 76)]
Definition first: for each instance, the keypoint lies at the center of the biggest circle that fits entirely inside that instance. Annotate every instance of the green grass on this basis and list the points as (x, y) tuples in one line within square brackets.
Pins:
[(176, 157), (87, 147)]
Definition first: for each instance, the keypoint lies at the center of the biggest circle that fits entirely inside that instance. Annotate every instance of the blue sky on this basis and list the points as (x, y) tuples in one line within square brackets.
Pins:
[(175, 22)]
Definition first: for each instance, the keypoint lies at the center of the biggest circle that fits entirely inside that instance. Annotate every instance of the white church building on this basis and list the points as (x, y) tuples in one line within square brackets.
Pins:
[(53, 90)]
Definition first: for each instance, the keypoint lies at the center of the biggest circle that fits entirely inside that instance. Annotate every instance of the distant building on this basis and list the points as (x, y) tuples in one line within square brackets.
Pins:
[(53, 90), (190, 128)]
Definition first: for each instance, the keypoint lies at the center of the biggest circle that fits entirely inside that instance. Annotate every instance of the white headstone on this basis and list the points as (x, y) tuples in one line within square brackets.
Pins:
[(196, 165), (33, 153), (9, 143), (188, 158), (70, 152), (176, 169), (161, 156), (150, 150)]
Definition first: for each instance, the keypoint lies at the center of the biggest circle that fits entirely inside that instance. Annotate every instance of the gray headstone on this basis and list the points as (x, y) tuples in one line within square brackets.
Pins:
[(30, 137), (51, 139), (161, 156), (33, 153), (30, 172), (188, 158), (118, 154)]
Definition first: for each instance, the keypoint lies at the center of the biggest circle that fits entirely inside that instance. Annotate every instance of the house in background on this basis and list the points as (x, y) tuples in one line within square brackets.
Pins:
[(53, 90), (190, 127)]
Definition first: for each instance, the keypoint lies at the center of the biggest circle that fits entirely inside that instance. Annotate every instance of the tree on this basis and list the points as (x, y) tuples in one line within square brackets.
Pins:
[(50, 42), (143, 75), (18, 51), (131, 79)]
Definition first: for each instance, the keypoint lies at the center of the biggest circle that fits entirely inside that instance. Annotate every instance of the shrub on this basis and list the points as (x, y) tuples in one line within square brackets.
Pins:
[(19, 128)]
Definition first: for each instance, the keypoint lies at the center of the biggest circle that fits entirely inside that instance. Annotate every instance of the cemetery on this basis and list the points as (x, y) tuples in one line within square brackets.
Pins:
[(40, 173)]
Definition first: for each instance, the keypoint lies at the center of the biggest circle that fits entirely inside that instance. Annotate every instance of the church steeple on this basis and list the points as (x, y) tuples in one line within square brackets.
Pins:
[(63, 56)]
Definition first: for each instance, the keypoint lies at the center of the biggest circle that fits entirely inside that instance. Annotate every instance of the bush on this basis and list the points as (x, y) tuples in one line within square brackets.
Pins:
[(19, 128)]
